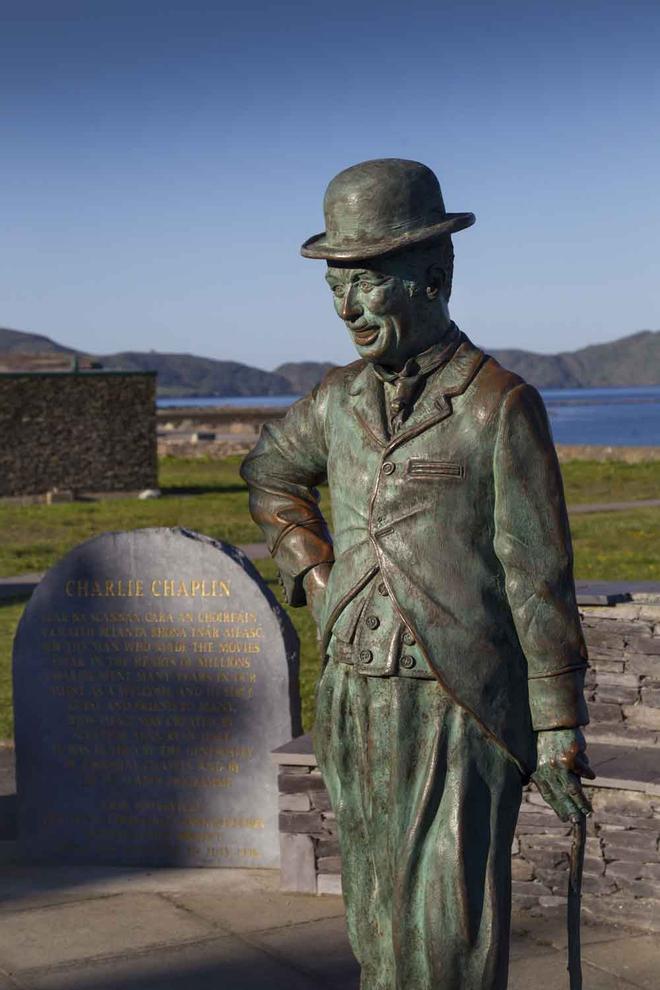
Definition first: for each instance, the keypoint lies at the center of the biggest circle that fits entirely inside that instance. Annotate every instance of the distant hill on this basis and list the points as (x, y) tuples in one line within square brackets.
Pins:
[(20, 342), (303, 375), (632, 360), (188, 375)]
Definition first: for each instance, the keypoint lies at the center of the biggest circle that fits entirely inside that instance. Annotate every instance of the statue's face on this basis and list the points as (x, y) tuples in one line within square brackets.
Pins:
[(378, 311), (394, 311)]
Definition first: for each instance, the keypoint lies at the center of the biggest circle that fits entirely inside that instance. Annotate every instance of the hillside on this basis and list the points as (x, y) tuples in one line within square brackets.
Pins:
[(633, 360), (188, 375), (303, 375), (20, 342), (629, 361)]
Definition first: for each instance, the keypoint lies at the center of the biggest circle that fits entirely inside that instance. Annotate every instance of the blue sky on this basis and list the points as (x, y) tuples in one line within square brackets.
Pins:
[(163, 161)]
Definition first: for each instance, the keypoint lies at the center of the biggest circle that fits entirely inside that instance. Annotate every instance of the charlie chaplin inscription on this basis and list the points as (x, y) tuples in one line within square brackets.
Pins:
[(453, 656), (154, 672)]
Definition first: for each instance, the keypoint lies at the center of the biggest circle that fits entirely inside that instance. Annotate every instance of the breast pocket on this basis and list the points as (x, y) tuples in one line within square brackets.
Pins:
[(416, 467)]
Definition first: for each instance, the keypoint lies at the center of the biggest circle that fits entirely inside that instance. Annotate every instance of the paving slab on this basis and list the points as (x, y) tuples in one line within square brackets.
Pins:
[(321, 947), (547, 971), (637, 960), (28, 886), (8, 984), (642, 503), (259, 911), (536, 930), (102, 926), (233, 930), (222, 964)]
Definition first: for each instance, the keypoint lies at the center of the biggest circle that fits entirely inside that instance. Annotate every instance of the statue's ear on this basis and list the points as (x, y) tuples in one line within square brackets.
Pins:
[(435, 281)]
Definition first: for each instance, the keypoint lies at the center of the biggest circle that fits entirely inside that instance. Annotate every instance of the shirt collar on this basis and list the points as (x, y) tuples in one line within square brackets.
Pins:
[(423, 364)]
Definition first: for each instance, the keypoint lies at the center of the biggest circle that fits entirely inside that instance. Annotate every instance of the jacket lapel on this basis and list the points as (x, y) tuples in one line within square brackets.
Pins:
[(369, 405), (434, 404)]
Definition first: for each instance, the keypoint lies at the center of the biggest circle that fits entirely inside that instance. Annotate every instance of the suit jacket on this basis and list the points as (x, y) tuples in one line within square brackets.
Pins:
[(463, 513)]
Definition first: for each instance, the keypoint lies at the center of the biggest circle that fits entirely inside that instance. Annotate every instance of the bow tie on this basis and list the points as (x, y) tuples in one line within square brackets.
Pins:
[(409, 381)]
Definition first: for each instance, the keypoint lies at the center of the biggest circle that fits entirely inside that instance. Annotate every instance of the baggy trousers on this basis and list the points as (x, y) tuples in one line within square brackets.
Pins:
[(426, 808)]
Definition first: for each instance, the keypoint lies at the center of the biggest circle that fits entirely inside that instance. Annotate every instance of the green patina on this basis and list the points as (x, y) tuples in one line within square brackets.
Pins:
[(454, 659)]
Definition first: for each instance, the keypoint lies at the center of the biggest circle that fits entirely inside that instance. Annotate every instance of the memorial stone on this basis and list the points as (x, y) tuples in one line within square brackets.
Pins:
[(154, 672)]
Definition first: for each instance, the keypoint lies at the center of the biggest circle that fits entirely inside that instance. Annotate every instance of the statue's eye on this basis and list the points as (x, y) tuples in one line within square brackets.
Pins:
[(338, 289), (366, 286)]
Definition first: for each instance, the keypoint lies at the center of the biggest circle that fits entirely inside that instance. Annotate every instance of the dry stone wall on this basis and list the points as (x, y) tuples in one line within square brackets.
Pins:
[(309, 847), (623, 682), (88, 431), (622, 863)]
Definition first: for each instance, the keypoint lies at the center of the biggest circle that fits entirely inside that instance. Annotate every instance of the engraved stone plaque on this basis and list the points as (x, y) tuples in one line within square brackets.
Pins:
[(154, 672)]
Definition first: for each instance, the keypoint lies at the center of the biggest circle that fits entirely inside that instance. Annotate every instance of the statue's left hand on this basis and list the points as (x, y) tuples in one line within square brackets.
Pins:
[(561, 761)]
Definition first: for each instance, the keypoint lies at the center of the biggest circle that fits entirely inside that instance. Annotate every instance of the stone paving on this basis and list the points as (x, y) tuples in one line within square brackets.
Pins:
[(75, 928)]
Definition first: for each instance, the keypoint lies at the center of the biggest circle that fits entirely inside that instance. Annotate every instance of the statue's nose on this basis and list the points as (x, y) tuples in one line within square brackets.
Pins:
[(349, 307)]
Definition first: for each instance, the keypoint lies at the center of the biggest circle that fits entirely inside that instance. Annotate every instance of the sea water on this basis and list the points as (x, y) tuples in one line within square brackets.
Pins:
[(618, 417)]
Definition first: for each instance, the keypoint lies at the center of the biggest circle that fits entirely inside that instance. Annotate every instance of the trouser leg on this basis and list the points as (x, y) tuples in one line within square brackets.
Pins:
[(352, 747), (426, 809)]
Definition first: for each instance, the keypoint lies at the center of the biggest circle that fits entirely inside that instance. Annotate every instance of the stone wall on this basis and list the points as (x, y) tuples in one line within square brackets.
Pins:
[(621, 867), (623, 682), (309, 848), (622, 863), (88, 431)]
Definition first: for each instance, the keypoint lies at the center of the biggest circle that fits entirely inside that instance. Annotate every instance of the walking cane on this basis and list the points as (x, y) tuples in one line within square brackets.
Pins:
[(574, 900)]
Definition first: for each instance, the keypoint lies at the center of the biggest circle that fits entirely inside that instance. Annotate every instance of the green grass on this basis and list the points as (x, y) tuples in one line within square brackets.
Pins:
[(10, 613), (617, 546), (199, 475), (213, 501), (209, 496), (310, 660), (610, 481)]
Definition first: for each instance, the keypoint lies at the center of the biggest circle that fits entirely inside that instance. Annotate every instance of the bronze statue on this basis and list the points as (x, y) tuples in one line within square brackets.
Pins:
[(453, 656)]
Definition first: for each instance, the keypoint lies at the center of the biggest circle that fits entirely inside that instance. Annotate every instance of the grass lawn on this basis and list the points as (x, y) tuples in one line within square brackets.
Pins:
[(10, 613), (617, 546), (213, 501), (209, 496), (610, 481)]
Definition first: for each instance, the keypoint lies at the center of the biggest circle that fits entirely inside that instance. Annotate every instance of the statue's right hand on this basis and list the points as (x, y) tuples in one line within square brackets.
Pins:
[(315, 583)]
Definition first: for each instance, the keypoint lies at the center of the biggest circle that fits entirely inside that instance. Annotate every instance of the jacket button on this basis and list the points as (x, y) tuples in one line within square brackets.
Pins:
[(372, 621), (408, 638), (382, 589), (366, 656), (408, 662), (389, 467)]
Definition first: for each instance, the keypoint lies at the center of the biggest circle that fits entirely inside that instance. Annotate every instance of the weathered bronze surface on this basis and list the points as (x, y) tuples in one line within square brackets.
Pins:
[(453, 656)]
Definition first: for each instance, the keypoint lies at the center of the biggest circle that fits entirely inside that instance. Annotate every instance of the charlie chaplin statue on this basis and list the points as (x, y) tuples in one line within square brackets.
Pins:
[(453, 656)]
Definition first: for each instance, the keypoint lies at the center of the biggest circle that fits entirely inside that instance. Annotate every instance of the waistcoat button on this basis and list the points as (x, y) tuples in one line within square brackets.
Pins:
[(382, 589), (372, 621), (408, 638), (408, 662), (389, 467), (366, 656)]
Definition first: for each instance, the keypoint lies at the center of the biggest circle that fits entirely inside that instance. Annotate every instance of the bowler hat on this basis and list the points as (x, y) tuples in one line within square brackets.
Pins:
[(382, 206)]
